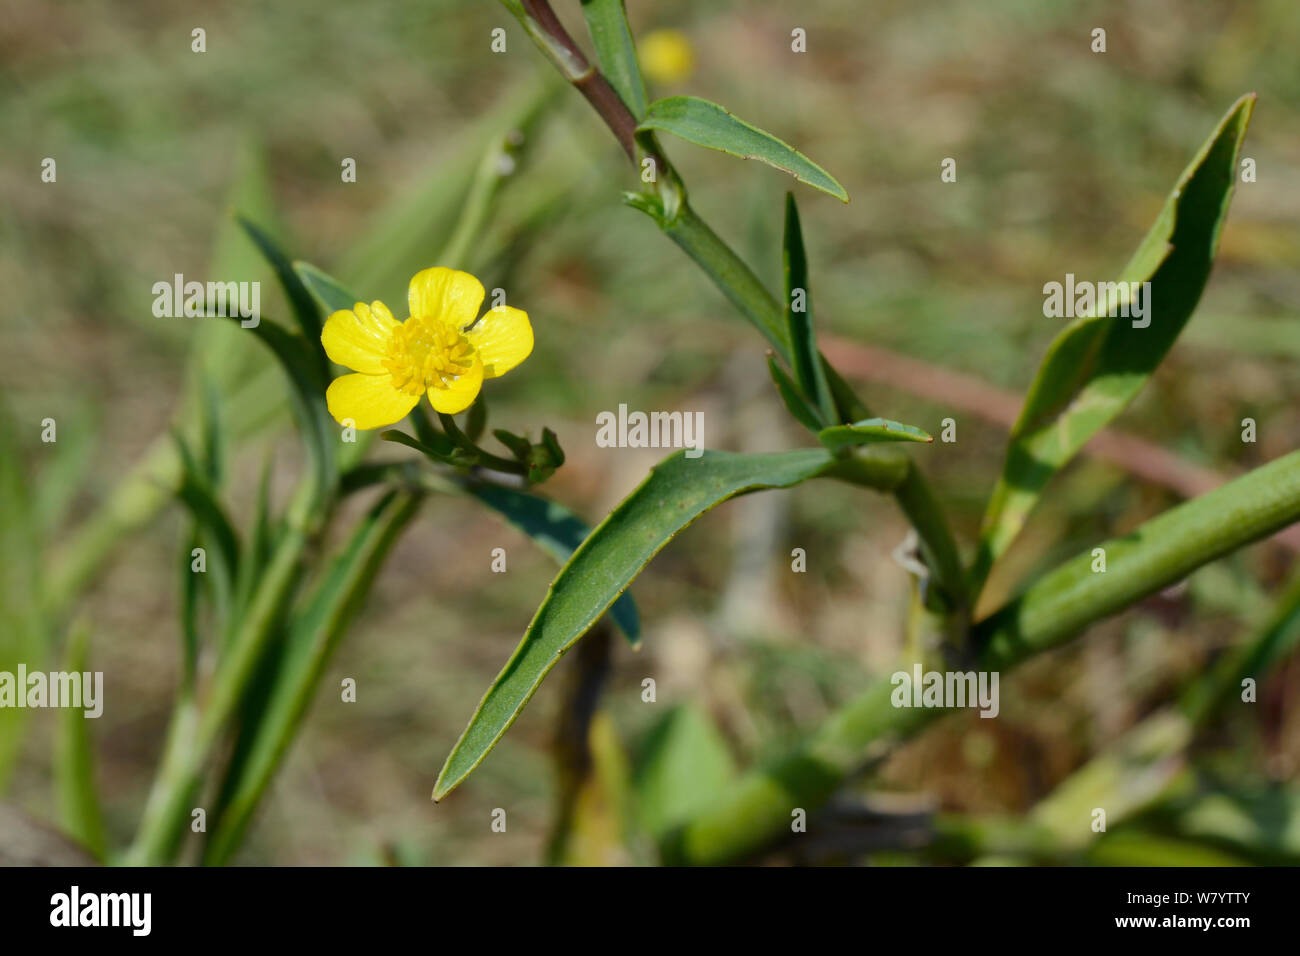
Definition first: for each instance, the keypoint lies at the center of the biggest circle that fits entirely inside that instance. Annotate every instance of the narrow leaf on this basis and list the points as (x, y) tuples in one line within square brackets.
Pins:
[(678, 491), (615, 51), (314, 632), (23, 629), (870, 431), (305, 310), (557, 531), (799, 317), (307, 397), (1098, 364), (684, 764), (74, 761), (329, 292), (794, 401), (708, 124), (201, 501)]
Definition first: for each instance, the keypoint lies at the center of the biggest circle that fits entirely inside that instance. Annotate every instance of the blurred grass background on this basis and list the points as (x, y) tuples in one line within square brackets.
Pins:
[(1063, 158)]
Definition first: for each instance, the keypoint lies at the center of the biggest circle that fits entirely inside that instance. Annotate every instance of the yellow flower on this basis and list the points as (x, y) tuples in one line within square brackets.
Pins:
[(440, 349), (666, 56)]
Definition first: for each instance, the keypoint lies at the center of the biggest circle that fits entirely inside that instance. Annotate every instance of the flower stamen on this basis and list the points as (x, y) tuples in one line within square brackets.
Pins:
[(425, 354)]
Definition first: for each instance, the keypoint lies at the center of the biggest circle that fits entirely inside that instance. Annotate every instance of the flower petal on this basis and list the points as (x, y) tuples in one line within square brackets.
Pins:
[(446, 294), (503, 338), (358, 337), (460, 394), (369, 400)]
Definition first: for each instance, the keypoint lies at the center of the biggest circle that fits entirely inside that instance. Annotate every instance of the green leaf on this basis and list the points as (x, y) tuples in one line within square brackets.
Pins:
[(74, 760), (557, 531), (804, 357), (329, 292), (1098, 364), (1132, 849), (23, 630), (305, 309), (307, 398), (678, 491), (870, 431), (708, 124), (64, 474), (316, 627), (794, 401), (200, 500), (215, 349), (615, 51), (1262, 823), (261, 543), (684, 764)]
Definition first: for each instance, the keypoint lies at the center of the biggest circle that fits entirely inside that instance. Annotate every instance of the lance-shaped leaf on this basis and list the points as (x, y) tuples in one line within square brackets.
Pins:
[(333, 296), (557, 531), (708, 124), (1098, 364), (200, 499), (804, 357), (678, 491), (23, 627), (317, 626), (615, 51), (870, 431), (305, 310), (74, 759), (327, 290), (307, 398), (684, 764), (793, 399)]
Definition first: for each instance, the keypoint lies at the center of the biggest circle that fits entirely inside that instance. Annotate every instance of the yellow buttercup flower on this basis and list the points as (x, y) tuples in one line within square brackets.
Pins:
[(440, 350)]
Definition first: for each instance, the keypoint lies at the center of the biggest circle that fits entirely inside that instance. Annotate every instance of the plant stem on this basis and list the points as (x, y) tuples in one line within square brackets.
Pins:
[(727, 270), (732, 277), (313, 636), (186, 755), (484, 458), (1052, 610)]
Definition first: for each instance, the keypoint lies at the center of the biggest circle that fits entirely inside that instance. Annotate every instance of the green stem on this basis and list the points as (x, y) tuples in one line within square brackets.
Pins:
[(727, 270), (484, 458), (312, 639), (732, 277), (1051, 611), (185, 757), (1161, 552)]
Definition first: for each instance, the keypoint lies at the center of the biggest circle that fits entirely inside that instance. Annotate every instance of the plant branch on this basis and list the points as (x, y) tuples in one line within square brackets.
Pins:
[(546, 30), (1051, 611)]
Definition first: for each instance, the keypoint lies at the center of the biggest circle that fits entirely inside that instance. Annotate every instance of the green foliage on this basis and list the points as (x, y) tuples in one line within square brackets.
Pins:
[(312, 634), (557, 531), (684, 763), (870, 431), (708, 124), (616, 51), (1098, 364), (74, 759), (805, 358), (678, 491)]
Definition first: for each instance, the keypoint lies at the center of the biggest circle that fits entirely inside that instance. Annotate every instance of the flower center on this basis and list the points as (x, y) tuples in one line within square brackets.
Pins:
[(423, 355)]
